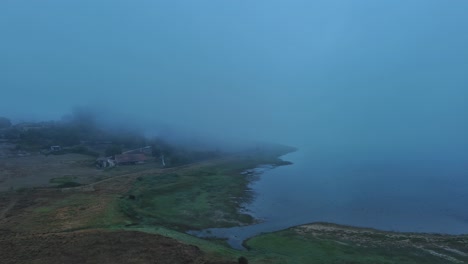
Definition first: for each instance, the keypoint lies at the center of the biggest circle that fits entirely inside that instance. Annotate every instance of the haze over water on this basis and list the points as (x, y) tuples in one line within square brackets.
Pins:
[(395, 194), (399, 195)]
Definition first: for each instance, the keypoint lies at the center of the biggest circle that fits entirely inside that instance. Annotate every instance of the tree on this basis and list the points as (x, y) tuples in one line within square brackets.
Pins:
[(4, 122)]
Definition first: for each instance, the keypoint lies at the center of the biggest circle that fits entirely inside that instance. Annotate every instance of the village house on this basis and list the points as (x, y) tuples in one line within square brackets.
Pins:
[(130, 157), (55, 148), (102, 163), (144, 150), (126, 159)]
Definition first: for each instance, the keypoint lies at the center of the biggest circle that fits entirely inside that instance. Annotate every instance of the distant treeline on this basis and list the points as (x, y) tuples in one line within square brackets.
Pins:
[(81, 133)]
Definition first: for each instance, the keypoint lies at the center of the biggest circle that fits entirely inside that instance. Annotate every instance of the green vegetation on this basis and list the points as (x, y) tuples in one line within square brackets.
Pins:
[(207, 246), (68, 184), (61, 180), (189, 200), (213, 249), (80, 133), (198, 197), (74, 212), (338, 244), (210, 194), (293, 246), (64, 182)]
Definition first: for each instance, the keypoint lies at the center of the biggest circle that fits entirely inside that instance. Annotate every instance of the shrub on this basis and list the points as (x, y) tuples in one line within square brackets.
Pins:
[(68, 184), (243, 260)]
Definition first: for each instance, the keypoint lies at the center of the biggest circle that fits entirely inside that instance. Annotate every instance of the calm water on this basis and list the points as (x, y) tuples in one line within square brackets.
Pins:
[(388, 194)]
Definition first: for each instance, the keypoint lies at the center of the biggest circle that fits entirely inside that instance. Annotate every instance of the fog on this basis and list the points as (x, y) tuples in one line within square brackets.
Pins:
[(334, 76)]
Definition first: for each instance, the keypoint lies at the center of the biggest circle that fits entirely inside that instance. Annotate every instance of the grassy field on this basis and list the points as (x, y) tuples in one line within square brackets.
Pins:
[(196, 197), (39, 170), (328, 243), (208, 194), (57, 212)]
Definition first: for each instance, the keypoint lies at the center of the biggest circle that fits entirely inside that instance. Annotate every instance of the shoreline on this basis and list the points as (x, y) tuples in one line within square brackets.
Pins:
[(239, 244), (369, 244), (211, 194)]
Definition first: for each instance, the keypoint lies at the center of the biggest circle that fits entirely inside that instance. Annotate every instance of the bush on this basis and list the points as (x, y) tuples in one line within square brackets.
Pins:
[(243, 260), (68, 184)]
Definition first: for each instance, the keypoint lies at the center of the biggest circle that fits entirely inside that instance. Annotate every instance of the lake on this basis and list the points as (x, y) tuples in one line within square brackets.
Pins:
[(393, 194)]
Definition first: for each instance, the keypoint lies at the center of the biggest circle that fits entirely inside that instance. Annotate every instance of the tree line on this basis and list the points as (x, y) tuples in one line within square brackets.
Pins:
[(80, 133)]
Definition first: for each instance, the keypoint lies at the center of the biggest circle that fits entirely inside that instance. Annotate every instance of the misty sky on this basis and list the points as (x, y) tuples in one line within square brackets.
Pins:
[(350, 74)]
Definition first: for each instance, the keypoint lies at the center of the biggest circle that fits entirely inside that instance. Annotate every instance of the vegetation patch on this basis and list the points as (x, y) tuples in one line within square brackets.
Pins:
[(328, 243), (198, 197), (71, 212), (189, 199), (60, 180), (68, 184), (64, 182)]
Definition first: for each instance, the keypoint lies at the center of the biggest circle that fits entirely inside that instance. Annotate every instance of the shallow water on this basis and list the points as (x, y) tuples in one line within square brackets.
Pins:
[(389, 194)]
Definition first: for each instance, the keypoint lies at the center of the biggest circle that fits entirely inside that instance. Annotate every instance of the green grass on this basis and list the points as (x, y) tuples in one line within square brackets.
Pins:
[(64, 182), (77, 211), (189, 199), (44, 210), (302, 248), (198, 197), (210, 247), (61, 180), (214, 249), (210, 195)]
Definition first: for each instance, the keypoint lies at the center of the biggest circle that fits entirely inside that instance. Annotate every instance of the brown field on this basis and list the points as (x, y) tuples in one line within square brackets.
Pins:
[(38, 170), (98, 246), (76, 225)]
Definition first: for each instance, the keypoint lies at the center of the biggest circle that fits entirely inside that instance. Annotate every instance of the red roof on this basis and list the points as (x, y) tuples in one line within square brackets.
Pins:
[(130, 158)]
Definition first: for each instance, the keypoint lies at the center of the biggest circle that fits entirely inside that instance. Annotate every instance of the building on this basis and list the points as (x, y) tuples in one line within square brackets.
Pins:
[(148, 150), (102, 163), (55, 148), (126, 159)]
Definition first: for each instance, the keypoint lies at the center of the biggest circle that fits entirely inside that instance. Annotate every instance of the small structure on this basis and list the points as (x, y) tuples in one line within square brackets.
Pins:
[(55, 148), (148, 150), (126, 159), (102, 163)]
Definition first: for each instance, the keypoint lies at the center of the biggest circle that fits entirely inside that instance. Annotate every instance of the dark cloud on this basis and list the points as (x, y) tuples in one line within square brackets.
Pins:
[(360, 75)]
